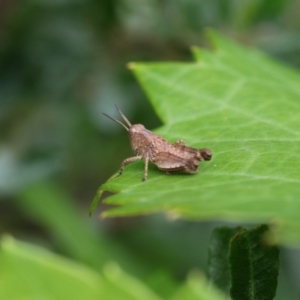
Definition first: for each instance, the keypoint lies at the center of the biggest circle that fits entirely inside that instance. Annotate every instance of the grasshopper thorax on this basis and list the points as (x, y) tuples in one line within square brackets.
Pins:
[(138, 138)]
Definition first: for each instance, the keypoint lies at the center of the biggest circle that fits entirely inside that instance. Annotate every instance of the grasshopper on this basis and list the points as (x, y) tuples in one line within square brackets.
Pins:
[(176, 157)]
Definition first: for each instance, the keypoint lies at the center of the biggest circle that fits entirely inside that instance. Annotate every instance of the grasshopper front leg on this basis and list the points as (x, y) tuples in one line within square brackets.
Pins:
[(128, 161), (146, 168)]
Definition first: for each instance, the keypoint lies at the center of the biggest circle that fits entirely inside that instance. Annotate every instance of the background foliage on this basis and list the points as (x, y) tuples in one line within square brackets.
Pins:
[(61, 64)]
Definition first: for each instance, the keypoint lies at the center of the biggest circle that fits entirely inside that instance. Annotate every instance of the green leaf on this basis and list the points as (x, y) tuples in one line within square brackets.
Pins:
[(254, 265), (47, 203), (95, 201), (245, 107), (196, 288), (30, 272), (218, 252), (131, 287)]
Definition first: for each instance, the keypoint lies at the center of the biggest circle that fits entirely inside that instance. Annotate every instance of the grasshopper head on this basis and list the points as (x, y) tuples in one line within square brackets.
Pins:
[(137, 128)]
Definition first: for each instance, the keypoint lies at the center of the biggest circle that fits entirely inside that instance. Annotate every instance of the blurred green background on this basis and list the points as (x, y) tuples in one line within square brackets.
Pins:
[(62, 63)]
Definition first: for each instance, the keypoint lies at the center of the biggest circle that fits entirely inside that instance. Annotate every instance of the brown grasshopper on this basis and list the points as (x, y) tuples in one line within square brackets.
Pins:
[(177, 157)]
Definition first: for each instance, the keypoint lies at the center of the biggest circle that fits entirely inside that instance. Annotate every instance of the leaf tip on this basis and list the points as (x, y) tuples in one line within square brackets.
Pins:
[(95, 201), (103, 215), (213, 38), (131, 65), (194, 48), (6, 241)]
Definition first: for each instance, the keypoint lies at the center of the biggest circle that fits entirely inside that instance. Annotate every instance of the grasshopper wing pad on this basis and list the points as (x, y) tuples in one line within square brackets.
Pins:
[(172, 163)]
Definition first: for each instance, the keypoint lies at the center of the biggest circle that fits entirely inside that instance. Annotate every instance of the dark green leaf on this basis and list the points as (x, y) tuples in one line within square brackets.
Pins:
[(218, 252), (254, 265)]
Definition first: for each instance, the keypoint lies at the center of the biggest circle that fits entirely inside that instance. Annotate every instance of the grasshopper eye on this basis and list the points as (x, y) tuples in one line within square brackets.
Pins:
[(206, 154)]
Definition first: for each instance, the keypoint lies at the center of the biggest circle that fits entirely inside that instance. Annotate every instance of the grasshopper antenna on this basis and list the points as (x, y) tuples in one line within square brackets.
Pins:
[(124, 118), (116, 121)]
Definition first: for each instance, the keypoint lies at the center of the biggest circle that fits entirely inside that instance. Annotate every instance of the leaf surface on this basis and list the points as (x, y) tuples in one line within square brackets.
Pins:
[(31, 272), (197, 288), (254, 265), (218, 253), (246, 108)]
